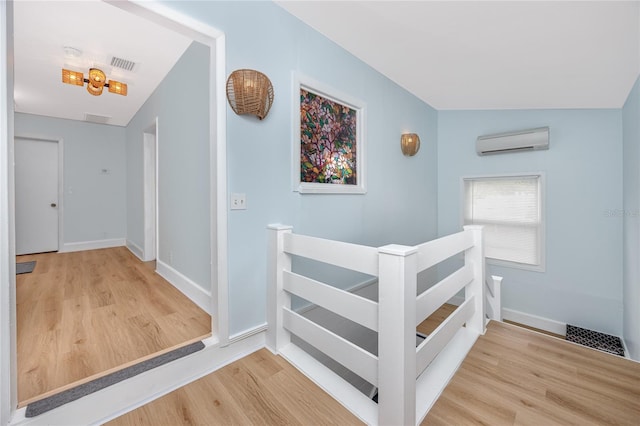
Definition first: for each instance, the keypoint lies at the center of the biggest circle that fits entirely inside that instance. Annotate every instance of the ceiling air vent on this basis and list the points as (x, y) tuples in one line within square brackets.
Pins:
[(95, 118), (123, 64)]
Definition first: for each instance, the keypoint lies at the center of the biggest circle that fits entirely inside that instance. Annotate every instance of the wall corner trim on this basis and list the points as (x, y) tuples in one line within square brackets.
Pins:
[(135, 249)]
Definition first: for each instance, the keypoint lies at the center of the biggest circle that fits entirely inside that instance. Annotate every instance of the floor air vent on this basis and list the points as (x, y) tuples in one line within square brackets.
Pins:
[(595, 340)]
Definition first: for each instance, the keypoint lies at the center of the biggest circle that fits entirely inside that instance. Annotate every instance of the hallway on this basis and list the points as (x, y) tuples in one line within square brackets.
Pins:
[(82, 315)]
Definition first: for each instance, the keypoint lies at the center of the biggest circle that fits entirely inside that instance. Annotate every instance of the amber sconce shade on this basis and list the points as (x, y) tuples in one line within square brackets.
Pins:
[(409, 144)]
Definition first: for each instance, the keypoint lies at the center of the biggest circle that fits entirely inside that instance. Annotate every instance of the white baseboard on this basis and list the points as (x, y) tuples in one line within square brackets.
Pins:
[(247, 333), (120, 398), (193, 291), (535, 321), (135, 249), (626, 349), (93, 245)]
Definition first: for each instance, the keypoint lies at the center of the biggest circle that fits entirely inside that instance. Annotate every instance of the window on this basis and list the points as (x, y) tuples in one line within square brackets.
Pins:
[(510, 209)]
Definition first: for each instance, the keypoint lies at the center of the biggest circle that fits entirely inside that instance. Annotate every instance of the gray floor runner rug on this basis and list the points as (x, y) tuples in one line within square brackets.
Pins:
[(25, 267), (54, 401)]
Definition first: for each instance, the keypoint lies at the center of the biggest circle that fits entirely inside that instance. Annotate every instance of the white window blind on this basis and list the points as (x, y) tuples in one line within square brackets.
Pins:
[(509, 208)]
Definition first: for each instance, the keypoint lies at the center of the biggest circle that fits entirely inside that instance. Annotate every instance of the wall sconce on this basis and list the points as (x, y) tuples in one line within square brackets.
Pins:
[(250, 92), (410, 144)]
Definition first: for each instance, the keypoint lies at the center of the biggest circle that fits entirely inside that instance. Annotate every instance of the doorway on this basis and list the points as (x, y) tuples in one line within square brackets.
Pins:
[(218, 192), (37, 191)]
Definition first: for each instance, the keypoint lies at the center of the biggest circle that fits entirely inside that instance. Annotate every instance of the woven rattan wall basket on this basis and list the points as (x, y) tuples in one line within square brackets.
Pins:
[(250, 92)]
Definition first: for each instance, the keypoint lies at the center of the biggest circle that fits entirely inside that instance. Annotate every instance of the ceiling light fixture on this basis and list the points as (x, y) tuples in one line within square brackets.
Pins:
[(96, 82)]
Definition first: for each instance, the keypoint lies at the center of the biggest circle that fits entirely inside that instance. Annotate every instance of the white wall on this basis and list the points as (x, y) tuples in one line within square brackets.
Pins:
[(582, 284), (400, 205), (631, 218), (181, 103), (93, 201)]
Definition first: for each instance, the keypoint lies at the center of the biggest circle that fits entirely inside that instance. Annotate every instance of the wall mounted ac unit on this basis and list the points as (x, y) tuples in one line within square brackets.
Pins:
[(525, 140)]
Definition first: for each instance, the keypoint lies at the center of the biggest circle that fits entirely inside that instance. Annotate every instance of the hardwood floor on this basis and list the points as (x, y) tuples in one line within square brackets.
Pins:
[(429, 325), (512, 376), (548, 333), (260, 389), (85, 314)]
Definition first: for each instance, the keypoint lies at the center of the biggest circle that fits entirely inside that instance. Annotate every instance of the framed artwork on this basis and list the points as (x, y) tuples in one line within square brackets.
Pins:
[(328, 139)]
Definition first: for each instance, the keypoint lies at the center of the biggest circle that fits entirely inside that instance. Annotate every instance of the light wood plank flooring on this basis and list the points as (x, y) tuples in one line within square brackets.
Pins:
[(512, 376), (260, 389), (429, 325), (85, 314)]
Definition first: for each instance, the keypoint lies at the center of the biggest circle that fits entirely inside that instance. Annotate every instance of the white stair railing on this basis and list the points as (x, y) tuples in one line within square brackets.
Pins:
[(409, 379)]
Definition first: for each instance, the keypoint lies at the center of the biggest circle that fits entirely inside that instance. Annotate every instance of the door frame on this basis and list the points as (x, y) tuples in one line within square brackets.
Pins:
[(60, 201), (215, 40), (8, 345), (150, 251)]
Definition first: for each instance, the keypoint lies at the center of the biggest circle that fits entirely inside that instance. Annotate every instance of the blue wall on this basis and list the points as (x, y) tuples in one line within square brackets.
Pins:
[(181, 103), (400, 205), (94, 203), (631, 214), (582, 284)]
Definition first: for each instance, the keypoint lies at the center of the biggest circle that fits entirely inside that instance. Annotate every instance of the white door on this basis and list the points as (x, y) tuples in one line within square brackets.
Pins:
[(36, 180)]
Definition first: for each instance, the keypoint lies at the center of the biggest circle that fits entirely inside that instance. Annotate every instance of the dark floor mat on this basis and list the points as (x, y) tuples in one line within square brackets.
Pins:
[(595, 340), (25, 267), (54, 401)]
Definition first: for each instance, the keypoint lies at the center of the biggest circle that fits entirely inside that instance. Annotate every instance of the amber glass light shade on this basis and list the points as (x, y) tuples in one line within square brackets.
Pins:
[(117, 88), (97, 78), (410, 144), (72, 77), (95, 91)]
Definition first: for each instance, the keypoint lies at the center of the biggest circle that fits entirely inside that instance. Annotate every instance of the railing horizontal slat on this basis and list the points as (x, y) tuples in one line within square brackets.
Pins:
[(430, 300), (433, 252), (432, 345), (346, 255), (351, 306), (341, 350)]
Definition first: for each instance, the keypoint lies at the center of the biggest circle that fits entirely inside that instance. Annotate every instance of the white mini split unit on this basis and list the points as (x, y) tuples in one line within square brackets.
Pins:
[(525, 140)]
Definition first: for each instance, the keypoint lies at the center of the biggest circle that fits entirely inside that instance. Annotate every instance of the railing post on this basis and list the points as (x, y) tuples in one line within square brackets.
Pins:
[(397, 267), (475, 257), (496, 300), (277, 262)]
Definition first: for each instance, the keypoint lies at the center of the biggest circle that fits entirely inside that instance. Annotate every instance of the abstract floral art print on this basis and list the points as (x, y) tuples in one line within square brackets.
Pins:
[(328, 140)]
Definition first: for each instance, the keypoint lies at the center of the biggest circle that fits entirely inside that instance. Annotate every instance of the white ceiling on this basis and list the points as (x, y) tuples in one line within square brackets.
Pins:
[(100, 31), (451, 54), (491, 55)]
